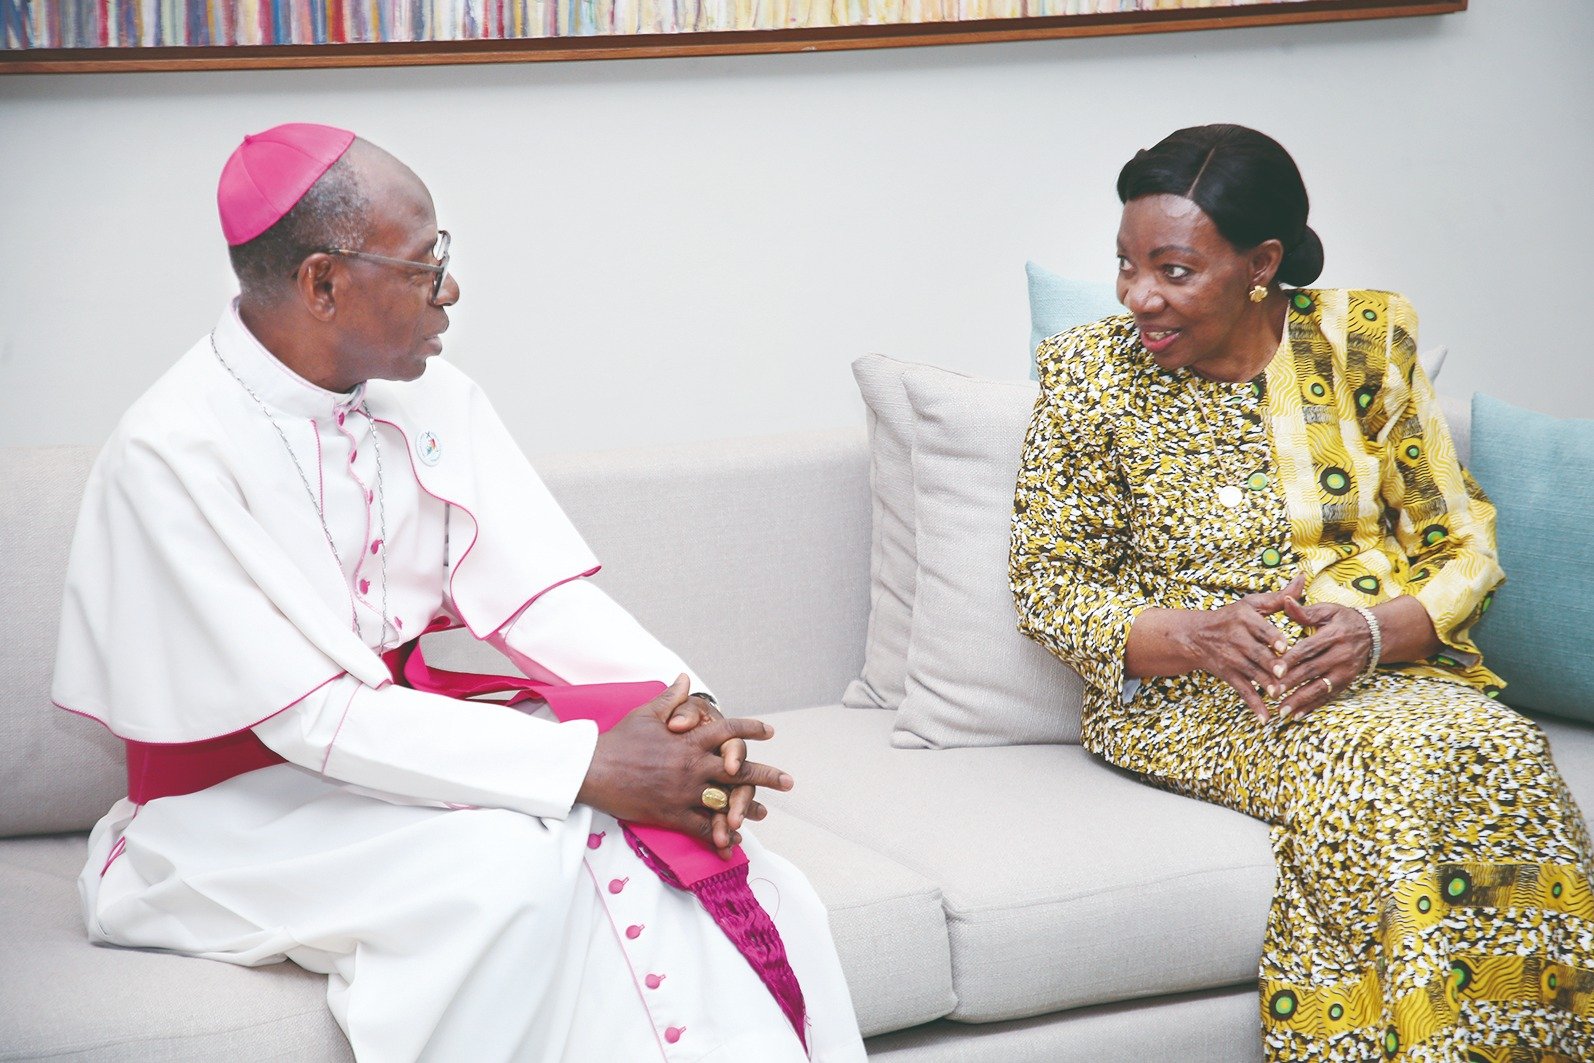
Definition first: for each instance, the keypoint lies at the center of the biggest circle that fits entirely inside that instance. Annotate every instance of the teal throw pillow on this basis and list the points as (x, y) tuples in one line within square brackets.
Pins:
[(1536, 634), (1057, 304)]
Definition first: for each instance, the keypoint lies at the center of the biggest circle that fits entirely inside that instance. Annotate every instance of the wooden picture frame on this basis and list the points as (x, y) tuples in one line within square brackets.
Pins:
[(495, 31)]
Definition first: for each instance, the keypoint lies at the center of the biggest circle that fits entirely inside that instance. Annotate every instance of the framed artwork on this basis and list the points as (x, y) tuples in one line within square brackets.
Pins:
[(74, 36)]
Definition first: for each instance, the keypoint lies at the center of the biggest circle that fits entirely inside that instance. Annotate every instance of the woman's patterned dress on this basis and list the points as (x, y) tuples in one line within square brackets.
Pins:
[(1433, 893)]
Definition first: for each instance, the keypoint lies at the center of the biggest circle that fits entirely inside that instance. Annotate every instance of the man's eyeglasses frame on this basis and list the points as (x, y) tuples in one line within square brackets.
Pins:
[(439, 252)]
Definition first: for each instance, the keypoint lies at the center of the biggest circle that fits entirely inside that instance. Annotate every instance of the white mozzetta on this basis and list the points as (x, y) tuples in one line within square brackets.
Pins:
[(196, 508)]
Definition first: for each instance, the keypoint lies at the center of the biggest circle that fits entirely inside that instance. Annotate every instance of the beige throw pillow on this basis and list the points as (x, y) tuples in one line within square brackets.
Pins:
[(892, 565), (972, 678)]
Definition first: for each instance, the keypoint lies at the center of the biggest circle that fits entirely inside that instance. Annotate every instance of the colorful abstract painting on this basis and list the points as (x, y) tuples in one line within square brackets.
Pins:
[(39, 24)]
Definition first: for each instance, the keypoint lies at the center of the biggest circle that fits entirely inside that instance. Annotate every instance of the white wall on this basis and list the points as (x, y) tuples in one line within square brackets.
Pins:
[(696, 248)]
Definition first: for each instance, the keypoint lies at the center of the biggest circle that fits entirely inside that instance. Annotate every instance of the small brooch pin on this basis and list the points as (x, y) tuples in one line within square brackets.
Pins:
[(429, 448)]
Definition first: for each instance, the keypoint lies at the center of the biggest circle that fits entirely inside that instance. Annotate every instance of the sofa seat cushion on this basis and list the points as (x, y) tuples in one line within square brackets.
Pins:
[(65, 998), (1572, 749), (1066, 883), (888, 923), (1219, 1026)]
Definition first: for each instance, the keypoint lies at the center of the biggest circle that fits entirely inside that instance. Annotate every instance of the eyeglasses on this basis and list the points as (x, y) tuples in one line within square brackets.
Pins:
[(439, 252)]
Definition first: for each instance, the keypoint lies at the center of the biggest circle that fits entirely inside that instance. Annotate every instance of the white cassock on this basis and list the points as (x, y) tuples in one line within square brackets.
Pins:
[(425, 853)]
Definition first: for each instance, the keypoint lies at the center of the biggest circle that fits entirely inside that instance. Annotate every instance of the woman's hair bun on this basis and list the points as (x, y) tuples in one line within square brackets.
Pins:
[(1303, 263)]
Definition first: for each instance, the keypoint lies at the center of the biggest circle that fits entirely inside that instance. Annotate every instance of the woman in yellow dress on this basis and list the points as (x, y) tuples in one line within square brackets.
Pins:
[(1241, 518)]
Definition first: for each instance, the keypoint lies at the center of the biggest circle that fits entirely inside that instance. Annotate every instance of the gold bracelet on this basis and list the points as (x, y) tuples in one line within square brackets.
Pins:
[(1376, 651)]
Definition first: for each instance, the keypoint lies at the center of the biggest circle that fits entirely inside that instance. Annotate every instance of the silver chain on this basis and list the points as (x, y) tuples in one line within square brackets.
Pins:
[(315, 504)]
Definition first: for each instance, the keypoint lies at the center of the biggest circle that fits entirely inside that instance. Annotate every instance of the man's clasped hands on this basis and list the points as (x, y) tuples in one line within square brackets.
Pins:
[(654, 764)]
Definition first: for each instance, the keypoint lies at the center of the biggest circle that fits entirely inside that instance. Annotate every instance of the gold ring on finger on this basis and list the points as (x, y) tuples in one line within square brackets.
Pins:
[(1327, 683), (716, 799)]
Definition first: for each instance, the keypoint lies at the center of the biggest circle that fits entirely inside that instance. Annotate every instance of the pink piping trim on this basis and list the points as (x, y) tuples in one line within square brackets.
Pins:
[(341, 719), (474, 535), (225, 734), (116, 850), (619, 937), (121, 843), (593, 571)]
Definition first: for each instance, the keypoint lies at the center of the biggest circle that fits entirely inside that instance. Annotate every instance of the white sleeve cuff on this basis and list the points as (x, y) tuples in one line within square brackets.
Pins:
[(428, 747)]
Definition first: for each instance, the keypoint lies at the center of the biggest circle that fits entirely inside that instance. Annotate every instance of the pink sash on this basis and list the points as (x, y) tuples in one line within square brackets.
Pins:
[(683, 861), (169, 769), (157, 770)]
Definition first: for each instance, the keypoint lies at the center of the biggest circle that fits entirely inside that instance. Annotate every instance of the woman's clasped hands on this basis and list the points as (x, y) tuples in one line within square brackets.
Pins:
[(1241, 644), (1333, 655)]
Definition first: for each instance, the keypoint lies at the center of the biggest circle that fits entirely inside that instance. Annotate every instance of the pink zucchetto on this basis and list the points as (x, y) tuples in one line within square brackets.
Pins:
[(272, 171)]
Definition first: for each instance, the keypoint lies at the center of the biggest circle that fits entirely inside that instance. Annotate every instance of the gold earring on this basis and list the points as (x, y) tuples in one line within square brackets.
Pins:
[(1258, 293)]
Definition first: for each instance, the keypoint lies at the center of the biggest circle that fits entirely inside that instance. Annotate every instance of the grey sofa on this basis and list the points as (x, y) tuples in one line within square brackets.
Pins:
[(1018, 903)]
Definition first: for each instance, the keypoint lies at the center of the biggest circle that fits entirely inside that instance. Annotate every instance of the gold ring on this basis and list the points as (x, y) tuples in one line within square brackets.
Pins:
[(715, 798), (1327, 684)]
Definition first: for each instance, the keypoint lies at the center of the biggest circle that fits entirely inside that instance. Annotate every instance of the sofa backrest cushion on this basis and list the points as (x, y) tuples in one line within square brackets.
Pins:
[(58, 772), (1058, 303), (893, 563), (973, 679), (748, 557), (1535, 635)]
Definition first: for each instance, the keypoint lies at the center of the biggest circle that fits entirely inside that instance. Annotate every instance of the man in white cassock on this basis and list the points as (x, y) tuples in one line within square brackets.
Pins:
[(266, 533)]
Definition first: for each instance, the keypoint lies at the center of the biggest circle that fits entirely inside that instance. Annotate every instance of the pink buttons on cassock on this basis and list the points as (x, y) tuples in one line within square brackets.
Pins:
[(673, 1034), (595, 840), (634, 931), (617, 884), (376, 546), (365, 586), (653, 980)]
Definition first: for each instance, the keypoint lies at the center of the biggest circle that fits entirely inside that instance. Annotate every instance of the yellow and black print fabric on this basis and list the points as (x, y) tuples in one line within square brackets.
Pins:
[(1377, 503), (1433, 890)]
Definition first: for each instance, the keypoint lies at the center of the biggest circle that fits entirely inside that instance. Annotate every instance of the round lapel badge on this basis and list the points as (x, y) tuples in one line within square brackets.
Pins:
[(429, 448)]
